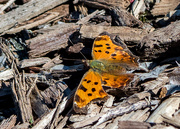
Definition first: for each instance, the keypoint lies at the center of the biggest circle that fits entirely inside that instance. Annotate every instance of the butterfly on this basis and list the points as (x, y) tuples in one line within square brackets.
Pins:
[(108, 67)]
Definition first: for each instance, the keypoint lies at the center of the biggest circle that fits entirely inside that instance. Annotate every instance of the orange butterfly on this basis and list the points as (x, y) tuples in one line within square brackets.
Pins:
[(108, 68)]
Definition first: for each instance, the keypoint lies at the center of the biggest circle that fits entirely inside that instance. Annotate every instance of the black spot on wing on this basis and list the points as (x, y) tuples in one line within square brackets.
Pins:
[(83, 88), (89, 94), (108, 47), (88, 81), (113, 54), (95, 83), (99, 51), (95, 45), (107, 44), (107, 52), (95, 50), (93, 89)]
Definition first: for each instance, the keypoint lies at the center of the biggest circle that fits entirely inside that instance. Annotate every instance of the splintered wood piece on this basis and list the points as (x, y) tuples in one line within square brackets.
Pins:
[(61, 27), (9, 55), (38, 105), (22, 101), (26, 11), (19, 89), (64, 121), (33, 62), (93, 111), (8, 123), (138, 6), (120, 110), (120, 17), (108, 103), (45, 120), (86, 122), (106, 4), (133, 125), (162, 43), (57, 69), (155, 84), (125, 33), (6, 6), (137, 97), (6, 75), (54, 40), (76, 48), (22, 126), (164, 6), (54, 93), (48, 17), (167, 107), (138, 116), (88, 17), (51, 63)]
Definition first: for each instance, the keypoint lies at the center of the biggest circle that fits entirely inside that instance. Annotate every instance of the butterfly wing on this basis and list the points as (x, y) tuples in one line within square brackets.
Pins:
[(105, 49), (90, 88), (114, 81)]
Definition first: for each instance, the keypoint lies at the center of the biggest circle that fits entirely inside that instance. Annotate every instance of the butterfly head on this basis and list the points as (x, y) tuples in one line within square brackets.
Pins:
[(97, 66)]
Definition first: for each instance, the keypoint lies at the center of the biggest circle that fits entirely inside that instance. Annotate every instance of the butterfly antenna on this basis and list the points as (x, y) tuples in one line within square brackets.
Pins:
[(79, 51)]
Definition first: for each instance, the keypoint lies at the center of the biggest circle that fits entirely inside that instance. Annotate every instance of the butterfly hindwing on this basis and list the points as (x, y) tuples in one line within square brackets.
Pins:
[(115, 81), (105, 49), (90, 88)]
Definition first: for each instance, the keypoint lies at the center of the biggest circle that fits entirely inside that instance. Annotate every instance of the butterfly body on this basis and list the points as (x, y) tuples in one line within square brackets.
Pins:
[(108, 68), (102, 66)]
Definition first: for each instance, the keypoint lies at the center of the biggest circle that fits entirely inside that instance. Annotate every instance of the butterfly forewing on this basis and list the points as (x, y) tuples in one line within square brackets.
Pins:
[(105, 49)]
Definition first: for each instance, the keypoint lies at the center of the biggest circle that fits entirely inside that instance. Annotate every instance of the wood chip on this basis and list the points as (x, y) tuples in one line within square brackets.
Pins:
[(6, 75), (127, 34), (106, 3), (164, 6), (33, 62), (54, 40), (49, 17), (26, 11), (167, 107), (8, 123), (160, 43), (133, 125)]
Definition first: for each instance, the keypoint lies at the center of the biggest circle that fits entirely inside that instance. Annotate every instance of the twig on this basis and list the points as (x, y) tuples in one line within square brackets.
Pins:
[(63, 122), (6, 5), (119, 110), (32, 86), (34, 24)]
